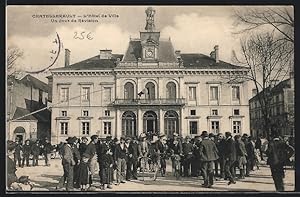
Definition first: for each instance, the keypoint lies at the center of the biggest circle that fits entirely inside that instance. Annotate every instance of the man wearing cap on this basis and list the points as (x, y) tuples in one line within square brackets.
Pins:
[(133, 153), (83, 145), (120, 159), (162, 148), (143, 150), (26, 152), (47, 151), (230, 157), (187, 149), (68, 163), (208, 154), (91, 150)]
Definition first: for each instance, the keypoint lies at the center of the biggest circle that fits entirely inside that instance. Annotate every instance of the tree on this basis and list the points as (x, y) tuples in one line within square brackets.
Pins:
[(267, 50), (13, 54)]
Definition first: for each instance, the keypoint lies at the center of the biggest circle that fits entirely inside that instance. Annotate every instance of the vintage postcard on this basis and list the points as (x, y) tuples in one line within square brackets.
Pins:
[(150, 98)]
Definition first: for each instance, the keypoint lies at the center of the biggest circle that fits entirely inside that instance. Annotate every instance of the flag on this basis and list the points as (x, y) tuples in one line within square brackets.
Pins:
[(144, 91)]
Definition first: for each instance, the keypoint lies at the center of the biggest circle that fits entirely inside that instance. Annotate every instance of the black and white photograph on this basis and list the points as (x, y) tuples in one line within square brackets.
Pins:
[(149, 98)]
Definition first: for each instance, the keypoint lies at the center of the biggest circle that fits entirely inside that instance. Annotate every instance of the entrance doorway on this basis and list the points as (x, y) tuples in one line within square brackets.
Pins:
[(150, 122), (129, 124), (19, 133)]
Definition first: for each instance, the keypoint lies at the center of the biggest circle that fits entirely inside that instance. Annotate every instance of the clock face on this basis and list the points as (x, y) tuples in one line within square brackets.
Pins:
[(149, 53)]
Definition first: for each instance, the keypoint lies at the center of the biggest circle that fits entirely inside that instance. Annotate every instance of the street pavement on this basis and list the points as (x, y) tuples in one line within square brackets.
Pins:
[(45, 178)]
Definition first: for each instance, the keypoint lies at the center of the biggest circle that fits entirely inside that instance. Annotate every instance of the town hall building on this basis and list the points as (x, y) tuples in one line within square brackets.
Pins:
[(152, 88)]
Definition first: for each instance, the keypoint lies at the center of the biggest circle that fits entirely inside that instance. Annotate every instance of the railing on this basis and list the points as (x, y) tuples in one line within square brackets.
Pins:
[(177, 101)]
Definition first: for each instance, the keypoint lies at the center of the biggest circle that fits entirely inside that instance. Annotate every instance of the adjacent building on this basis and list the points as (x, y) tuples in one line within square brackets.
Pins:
[(26, 94), (281, 109), (151, 88)]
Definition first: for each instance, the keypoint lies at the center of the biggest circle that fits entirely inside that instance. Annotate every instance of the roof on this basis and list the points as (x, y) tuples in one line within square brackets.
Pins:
[(165, 51), (22, 112), (29, 80), (93, 63), (198, 60)]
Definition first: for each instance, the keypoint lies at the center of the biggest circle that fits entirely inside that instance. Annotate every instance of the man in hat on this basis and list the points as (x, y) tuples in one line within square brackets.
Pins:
[(120, 159), (36, 150), (83, 145), (26, 152), (162, 150), (17, 153), (133, 153), (220, 143), (68, 163), (230, 157), (250, 148), (11, 169), (143, 152), (196, 163), (77, 159), (47, 151), (241, 155), (91, 150), (187, 149), (208, 154)]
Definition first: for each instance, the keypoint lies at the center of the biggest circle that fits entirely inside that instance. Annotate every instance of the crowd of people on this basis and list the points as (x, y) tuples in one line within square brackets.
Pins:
[(115, 161)]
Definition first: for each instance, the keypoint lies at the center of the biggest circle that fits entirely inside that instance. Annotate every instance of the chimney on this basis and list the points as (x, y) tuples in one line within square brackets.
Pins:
[(67, 57), (217, 53), (105, 54), (213, 54), (254, 92), (177, 53)]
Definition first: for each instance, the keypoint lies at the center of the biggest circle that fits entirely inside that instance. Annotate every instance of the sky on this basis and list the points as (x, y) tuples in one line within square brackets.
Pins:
[(192, 29)]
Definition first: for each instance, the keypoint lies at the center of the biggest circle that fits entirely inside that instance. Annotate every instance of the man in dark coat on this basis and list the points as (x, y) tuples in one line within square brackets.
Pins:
[(187, 150), (196, 154), (36, 150), (120, 158), (68, 163), (241, 155), (250, 148), (91, 150), (133, 153), (143, 152), (230, 157), (278, 153), (105, 165), (208, 154), (47, 151), (77, 158), (17, 153), (162, 150), (26, 152), (11, 169), (220, 143), (258, 146)]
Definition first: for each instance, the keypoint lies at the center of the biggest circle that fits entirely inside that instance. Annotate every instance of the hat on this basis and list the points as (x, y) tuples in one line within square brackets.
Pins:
[(204, 134), (27, 141), (188, 137), (23, 179), (11, 145), (94, 137), (108, 137), (127, 138), (161, 135), (211, 135), (84, 138), (122, 138), (116, 139), (227, 133), (71, 140), (86, 155)]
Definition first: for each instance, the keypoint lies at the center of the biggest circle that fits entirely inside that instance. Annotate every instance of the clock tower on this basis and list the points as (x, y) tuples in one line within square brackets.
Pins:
[(150, 38)]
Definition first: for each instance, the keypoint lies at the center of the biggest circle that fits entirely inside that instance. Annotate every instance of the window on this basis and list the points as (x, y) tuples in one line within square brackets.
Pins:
[(236, 126), (192, 93), (85, 128), (193, 112), (64, 94), (107, 94), (171, 90), (214, 112), (215, 126), (128, 91), (64, 128), (85, 113), (64, 113), (235, 93), (107, 128), (236, 112), (193, 127), (214, 93), (107, 113), (151, 90), (85, 94), (40, 95)]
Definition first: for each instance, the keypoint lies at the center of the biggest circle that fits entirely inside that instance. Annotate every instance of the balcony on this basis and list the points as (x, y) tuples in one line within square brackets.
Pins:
[(141, 102)]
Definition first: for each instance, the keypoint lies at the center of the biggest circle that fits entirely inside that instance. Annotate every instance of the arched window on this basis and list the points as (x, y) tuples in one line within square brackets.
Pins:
[(129, 124), (171, 90), (150, 122), (171, 123), (151, 90), (128, 91)]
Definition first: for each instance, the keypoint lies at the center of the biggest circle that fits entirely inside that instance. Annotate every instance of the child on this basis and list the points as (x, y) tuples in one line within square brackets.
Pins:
[(107, 164), (84, 175)]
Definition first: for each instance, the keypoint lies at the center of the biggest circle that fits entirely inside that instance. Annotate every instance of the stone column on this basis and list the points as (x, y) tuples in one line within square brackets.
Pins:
[(161, 121), (139, 121), (118, 129), (182, 126)]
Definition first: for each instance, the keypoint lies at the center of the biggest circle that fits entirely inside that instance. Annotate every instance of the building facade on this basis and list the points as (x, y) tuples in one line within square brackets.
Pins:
[(151, 88), (281, 109), (26, 94)]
